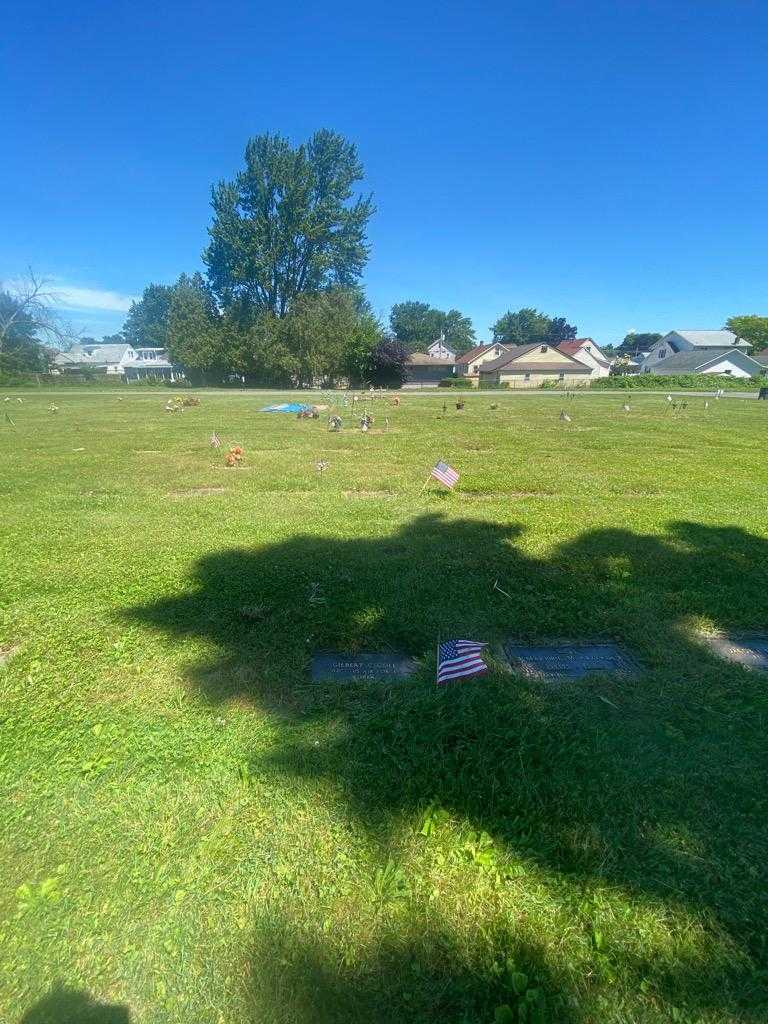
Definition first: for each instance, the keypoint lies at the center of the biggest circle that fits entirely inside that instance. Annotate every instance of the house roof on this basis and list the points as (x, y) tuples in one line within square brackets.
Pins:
[(478, 350), (690, 362), (572, 348), (711, 339), (511, 352), (98, 354), (761, 357), (514, 352), (424, 359)]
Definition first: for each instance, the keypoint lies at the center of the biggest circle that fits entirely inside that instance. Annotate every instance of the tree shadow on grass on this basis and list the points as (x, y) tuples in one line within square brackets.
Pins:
[(657, 786), (407, 977), (71, 1006)]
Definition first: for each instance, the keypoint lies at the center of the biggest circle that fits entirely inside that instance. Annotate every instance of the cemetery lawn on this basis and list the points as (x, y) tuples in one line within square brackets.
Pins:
[(191, 831)]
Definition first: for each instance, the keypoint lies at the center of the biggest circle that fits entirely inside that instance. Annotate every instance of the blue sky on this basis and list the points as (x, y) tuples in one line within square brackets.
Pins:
[(601, 161)]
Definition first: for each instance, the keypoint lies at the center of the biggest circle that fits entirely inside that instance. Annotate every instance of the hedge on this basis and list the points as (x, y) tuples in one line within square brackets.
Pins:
[(455, 382), (681, 382)]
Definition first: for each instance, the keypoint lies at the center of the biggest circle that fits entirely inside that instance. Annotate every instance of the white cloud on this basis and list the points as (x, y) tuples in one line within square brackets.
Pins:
[(70, 297)]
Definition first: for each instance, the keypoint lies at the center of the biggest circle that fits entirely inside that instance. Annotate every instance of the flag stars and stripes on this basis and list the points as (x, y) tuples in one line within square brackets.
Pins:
[(458, 659), (445, 474)]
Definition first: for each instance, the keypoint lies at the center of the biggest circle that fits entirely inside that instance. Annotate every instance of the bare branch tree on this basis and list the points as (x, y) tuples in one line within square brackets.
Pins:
[(32, 304)]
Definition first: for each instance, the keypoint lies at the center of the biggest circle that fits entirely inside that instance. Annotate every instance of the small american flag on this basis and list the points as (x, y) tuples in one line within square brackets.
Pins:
[(445, 474), (215, 440), (457, 659)]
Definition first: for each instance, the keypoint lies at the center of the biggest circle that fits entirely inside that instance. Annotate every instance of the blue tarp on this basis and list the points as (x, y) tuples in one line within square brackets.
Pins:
[(288, 407)]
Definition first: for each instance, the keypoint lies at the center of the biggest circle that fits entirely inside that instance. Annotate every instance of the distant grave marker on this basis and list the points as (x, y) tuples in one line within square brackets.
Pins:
[(365, 665), (747, 649), (563, 661)]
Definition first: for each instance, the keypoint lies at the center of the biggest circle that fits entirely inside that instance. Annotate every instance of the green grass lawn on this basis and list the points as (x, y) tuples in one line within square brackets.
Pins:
[(191, 831)]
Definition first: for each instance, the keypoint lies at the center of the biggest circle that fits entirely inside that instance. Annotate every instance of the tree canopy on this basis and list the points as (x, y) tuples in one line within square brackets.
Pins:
[(634, 343), (751, 328), (21, 351), (287, 224), (417, 324), (146, 325), (528, 326)]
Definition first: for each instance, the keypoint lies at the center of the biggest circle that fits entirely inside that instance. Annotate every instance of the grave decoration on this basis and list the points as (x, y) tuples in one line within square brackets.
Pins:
[(234, 456)]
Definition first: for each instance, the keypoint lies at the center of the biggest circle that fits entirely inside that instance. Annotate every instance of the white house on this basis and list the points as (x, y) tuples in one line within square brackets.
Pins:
[(677, 342), (587, 352), (118, 360), (729, 362), (439, 350)]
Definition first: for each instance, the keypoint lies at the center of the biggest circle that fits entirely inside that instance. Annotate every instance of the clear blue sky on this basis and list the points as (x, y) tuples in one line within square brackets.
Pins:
[(601, 161)]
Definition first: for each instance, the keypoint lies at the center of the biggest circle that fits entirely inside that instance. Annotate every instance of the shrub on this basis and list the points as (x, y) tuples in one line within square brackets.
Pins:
[(488, 386), (680, 382), (455, 382)]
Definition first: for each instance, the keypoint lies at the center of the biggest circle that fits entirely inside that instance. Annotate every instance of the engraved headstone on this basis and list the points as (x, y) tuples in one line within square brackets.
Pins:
[(747, 649), (561, 661), (365, 665)]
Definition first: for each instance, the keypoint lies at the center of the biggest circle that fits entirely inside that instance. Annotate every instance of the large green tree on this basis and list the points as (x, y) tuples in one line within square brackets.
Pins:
[(528, 326), (195, 336), (288, 224), (417, 324), (751, 328), (146, 325), (328, 338)]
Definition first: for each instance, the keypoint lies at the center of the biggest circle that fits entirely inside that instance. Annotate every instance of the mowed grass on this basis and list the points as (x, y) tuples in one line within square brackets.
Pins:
[(192, 831)]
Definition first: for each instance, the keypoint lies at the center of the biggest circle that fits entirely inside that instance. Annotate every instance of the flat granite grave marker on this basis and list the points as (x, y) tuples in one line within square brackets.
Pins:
[(364, 665), (747, 649), (561, 661)]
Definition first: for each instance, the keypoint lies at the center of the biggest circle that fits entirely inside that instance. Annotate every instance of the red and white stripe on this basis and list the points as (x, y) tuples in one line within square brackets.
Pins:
[(445, 474), (459, 659)]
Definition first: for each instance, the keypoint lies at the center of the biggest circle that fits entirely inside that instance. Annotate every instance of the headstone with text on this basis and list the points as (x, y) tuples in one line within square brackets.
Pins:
[(564, 661), (365, 665), (747, 649)]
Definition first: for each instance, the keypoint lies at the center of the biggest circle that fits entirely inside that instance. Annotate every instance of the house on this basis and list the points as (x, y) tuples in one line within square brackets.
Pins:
[(676, 342), (99, 358), (439, 350), (530, 366), (761, 357), (468, 364), (423, 368), (117, 360), (730, 362), (587, 352)]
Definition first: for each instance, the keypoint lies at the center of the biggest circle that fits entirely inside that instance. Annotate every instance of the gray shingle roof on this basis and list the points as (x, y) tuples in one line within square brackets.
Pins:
[(98, 354), (712, 339), (693, 362)]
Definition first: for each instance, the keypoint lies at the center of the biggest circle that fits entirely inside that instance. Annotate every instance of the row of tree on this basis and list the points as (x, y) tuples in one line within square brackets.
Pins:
[(280, 301)]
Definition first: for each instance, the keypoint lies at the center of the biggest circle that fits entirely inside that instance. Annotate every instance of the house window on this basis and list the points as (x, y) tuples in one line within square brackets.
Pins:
[(527, 376), (561, 376), (543, 348), (661, 353), (727, 371)]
